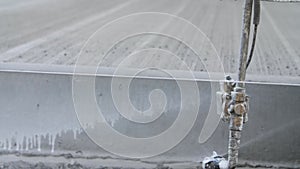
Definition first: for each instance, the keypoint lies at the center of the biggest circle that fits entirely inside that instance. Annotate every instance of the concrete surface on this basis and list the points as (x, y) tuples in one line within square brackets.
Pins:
[(53, 32), (38, 119)]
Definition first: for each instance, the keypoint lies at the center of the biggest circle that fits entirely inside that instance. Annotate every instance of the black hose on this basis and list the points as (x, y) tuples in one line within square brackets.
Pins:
[(256, 16), (256, 20), (252, 46)]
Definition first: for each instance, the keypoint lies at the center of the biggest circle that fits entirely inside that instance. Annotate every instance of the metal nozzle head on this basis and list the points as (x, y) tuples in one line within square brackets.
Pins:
[(227, 77)]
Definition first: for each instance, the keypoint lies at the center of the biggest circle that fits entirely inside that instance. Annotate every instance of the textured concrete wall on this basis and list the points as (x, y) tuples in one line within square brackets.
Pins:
[(38, 116)]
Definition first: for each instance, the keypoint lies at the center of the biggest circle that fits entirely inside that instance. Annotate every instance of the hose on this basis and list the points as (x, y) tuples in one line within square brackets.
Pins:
[(256, 20)]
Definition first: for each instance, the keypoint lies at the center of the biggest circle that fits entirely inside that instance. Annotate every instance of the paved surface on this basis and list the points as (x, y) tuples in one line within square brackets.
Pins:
[(40, 165), (11, 162), (53, 32)]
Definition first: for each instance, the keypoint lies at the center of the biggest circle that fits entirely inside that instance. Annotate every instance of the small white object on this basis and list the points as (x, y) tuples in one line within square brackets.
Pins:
[(214, 161)]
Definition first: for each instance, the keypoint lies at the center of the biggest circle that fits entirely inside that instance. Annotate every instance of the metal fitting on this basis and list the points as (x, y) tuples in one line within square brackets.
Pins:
[(234, 100), (226, 98), (234, 107), (240, 108), (238, 94)]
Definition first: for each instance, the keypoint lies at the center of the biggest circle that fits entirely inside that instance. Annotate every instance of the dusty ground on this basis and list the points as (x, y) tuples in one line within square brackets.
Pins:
[(53, 32), (22, 164), (75, 165)]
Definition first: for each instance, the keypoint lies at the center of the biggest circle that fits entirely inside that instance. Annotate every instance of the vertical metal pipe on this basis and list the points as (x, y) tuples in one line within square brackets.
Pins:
[(245, 41), (236, 125), (237, 117)]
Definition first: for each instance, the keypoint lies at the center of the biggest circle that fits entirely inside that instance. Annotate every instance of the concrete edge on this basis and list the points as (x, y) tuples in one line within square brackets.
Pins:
[(149, 73)]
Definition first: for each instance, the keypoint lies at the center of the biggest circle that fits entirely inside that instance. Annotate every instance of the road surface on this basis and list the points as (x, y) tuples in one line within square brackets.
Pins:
[(54, 32)]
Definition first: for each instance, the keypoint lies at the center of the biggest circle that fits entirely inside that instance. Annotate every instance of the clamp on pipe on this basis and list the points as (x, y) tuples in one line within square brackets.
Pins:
[(234, 107), (238, 115)]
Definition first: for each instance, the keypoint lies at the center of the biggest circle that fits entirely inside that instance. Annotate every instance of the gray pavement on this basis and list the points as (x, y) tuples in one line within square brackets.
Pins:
[(53, 32)]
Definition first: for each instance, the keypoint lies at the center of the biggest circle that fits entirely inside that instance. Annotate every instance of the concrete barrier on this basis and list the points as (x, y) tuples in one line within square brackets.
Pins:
[(38, 115)]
